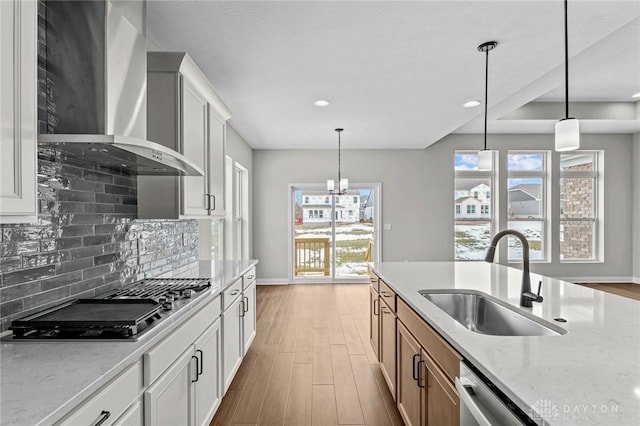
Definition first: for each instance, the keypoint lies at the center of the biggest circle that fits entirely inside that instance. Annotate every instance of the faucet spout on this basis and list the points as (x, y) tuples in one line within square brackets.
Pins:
[(525, 300)]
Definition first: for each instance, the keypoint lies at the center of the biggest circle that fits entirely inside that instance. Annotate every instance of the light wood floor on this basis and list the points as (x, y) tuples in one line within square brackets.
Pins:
[(311, 362), (621, 289)]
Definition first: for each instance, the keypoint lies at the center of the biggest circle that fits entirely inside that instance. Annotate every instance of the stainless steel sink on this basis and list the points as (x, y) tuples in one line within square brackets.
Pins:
[(484, 314)]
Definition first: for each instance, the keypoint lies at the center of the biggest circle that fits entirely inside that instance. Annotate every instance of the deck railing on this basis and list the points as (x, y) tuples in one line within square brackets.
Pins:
[(312, 255)]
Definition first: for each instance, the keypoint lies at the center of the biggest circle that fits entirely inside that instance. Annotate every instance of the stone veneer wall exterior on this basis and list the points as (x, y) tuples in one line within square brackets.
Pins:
[(87, 240), (578, 203)]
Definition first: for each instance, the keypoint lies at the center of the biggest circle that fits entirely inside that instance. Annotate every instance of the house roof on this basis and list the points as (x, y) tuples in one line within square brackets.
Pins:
[(467, 184), (520, 195), (462, 199), (530, 188)]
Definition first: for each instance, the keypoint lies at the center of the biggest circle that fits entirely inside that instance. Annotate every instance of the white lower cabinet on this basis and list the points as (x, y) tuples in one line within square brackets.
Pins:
[(110, 402), (232, 345), (169, 401), (131, 417), (208, 392), (249, 316)]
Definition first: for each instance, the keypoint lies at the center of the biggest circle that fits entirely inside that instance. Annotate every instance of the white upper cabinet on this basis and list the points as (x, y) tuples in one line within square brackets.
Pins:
[(18, 107), (184, 113)]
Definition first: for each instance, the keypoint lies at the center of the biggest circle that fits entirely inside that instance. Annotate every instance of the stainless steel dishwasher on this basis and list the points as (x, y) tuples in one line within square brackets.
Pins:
[(482, 404)]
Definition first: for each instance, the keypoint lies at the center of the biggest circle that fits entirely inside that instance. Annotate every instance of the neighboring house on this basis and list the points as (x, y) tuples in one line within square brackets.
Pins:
[(471, 208), (525, 201), (316, 208), (480, 191)]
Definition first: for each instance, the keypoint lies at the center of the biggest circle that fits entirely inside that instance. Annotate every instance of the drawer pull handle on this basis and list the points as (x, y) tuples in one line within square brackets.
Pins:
[(250, 277), (104, 415), (245, 303), (234, 292)]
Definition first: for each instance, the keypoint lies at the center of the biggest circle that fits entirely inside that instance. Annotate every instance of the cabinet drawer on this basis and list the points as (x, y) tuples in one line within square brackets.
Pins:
[(388, 295), (158, 359), (447, 358), (231, 294), (109, 402), (249, 278), (374, 281)]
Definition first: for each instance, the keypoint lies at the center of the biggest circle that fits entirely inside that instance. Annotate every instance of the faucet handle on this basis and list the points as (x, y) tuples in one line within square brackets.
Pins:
[(535, 297)]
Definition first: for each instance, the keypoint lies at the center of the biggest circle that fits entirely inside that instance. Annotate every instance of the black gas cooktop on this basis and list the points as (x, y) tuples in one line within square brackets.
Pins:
[(121, 314)]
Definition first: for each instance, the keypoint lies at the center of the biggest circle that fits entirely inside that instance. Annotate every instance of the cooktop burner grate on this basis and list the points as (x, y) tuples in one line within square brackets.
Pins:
[(155, 288)]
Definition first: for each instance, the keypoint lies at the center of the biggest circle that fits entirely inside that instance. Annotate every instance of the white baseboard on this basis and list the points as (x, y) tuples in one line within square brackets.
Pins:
[(605, 279), (272, 281)]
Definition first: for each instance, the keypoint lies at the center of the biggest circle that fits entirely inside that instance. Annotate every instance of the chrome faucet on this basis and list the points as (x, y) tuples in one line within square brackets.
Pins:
[(526, 296)]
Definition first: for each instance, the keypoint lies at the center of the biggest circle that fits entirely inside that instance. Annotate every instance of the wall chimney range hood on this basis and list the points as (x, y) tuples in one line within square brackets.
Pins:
[(96, 90)]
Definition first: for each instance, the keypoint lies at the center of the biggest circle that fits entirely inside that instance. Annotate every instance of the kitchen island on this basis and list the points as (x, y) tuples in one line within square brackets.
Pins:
[(41, 382), (589, 375)]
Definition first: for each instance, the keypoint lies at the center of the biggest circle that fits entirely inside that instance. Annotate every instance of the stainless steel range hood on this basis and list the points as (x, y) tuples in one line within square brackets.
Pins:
[(96, 86)]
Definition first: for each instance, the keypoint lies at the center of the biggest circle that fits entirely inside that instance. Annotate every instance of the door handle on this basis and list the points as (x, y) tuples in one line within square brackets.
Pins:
[(245, 304), (207, 202), (212, 203), (201, 366), (242, 311), (374, 307), (413, 374), (197, 368), (419, 378)]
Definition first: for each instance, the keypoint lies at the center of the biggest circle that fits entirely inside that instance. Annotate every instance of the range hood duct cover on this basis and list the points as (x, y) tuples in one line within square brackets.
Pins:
[(96, 90)]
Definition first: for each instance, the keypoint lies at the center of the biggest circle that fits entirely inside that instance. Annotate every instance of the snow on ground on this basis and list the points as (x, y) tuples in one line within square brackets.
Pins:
[(474, 243)]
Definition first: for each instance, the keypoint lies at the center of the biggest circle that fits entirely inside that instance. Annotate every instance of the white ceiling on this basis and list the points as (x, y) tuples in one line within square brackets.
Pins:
[(396, 73)]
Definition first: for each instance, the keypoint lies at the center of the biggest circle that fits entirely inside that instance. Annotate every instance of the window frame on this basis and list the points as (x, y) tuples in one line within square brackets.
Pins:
[(490, 175), (545, 220), (597, 249)]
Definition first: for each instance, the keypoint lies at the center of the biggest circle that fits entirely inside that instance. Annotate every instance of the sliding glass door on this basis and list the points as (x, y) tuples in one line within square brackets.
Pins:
[(332, 236)]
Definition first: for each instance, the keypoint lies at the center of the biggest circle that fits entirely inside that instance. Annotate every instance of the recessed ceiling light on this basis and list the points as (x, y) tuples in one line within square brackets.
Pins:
[(471, 104), (321, 103), (636, 95)]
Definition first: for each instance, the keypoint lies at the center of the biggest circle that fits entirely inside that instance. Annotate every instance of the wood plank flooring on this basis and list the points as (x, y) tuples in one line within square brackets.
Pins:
[(629, 290), (311, 362)]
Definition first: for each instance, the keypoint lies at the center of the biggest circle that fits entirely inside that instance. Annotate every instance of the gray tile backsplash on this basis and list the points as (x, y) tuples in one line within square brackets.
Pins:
[(86, 241)]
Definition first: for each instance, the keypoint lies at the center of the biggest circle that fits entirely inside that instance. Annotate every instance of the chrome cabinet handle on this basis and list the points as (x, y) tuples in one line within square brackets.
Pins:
[(245, 304), (250, 277), (104, 415), (212, 203), (234, 292), (207, 202), (242, 311), (374, 307), (201, 362)]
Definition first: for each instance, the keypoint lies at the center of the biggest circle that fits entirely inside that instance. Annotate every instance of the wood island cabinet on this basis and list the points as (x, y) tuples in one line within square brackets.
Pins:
[(424, 364)]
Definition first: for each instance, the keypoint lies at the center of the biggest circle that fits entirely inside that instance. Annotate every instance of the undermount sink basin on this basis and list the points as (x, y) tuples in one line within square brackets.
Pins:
[(483, 314)]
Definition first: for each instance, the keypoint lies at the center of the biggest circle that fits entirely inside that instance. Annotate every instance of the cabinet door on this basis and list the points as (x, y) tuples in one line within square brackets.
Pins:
[(374, 321), (194, 147), (18, 78), (409, 395), (232, 341), (388, 346), (249, 318), (216, 172), (442, 400), (208, 392), (169, 401)]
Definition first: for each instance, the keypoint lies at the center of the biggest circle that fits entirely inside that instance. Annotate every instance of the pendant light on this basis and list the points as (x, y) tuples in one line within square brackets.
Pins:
[(485, 156), (567, 129), (343, 184)]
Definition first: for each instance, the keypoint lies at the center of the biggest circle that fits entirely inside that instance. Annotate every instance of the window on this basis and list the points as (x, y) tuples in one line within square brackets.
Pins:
[(526, 206), (306, 200), (326, 200), (578, 205), (355, 200), (484, 209), (472, 232)]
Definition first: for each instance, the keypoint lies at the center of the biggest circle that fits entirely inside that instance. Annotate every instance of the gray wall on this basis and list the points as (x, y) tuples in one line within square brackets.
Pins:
[(417, 190), (238, 149), (636, 208)]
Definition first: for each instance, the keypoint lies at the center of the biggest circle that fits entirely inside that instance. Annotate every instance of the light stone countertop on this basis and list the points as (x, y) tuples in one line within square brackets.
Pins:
[(588, 376), (40, 382)]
